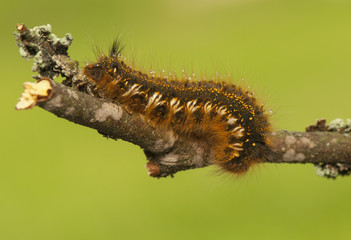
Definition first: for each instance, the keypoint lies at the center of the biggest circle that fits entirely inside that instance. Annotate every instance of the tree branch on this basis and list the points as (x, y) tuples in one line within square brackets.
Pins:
[(75, 100)]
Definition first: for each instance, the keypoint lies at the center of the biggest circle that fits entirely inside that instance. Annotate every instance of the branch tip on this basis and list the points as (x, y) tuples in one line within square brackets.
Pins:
[(33, 93), (21, 27)]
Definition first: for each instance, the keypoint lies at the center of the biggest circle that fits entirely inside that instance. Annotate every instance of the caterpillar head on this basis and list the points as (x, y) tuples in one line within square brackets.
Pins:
[(107, 67)]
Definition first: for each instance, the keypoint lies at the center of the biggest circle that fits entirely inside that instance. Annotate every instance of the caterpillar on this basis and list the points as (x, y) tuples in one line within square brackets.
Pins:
[(228, 118)]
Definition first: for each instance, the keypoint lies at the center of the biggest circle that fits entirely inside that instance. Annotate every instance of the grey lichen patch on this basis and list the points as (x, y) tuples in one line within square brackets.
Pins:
[(291, 155), (38, 62), (307, 142), (108, 110), (55, 102), (24, 53), (30, 43), (340, 125), (289, 140), (198, 158), (42, 30), (299, 157), (69, 111), (327, 171), (162, 145), (73, 94), (332, 170), (348, 125), (67, 67), (159, 144), (66, 41), (337, 124), (37, 32)]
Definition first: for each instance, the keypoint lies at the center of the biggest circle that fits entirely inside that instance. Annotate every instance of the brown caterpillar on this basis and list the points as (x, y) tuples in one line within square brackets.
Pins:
[(226, 117)]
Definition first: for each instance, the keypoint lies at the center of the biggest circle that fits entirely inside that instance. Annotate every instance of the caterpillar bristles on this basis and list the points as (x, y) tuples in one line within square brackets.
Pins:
[(224, 116)]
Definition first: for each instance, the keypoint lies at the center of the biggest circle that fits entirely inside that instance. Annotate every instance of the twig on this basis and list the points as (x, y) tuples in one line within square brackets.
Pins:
[(76, 101)]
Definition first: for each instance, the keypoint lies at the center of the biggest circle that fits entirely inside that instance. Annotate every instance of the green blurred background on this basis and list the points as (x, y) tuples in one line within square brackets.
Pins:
[(59, 180)]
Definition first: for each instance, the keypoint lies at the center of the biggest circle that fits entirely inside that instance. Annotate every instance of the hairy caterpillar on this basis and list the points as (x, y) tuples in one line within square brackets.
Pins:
[(226, 117)]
